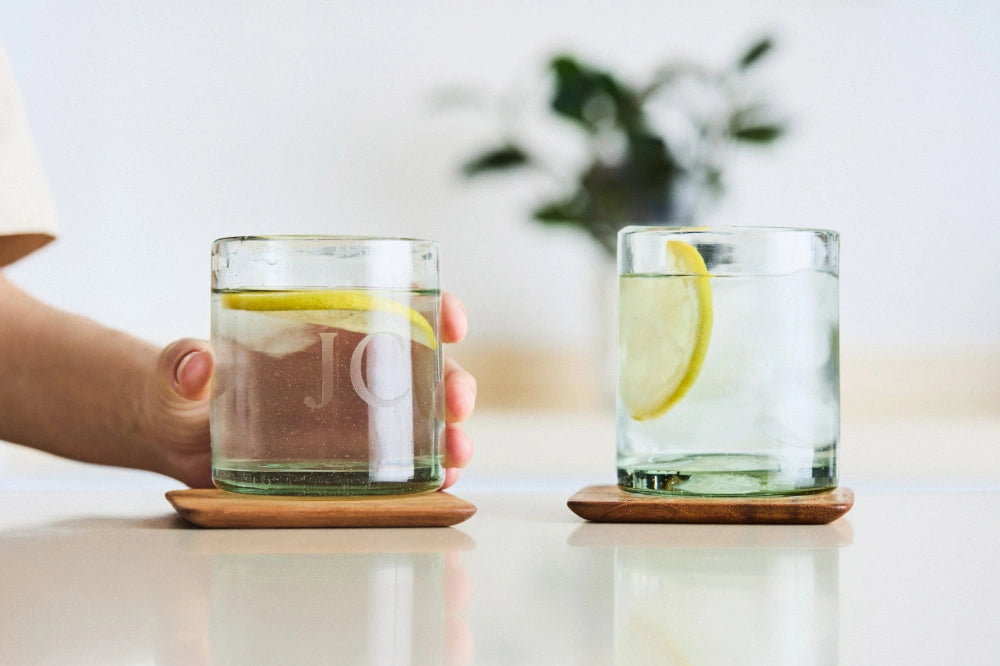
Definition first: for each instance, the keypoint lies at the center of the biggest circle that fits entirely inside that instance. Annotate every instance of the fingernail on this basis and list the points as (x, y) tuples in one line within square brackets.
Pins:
[(183, 363)]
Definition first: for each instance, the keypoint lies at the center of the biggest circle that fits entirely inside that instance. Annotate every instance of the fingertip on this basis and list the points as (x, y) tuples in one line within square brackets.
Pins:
[(460, 395), (454, 321), (450, 477), (458, 447)]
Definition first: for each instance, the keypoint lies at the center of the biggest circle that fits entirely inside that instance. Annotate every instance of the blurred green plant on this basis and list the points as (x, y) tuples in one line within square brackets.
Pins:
[(636, 172)]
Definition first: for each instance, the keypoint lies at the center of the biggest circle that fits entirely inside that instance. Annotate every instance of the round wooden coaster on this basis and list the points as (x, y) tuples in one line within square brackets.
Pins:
[(611, 504), (221, 509)]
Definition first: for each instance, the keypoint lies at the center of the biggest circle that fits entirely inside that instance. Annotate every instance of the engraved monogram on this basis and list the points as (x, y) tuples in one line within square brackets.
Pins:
[(388, 371)]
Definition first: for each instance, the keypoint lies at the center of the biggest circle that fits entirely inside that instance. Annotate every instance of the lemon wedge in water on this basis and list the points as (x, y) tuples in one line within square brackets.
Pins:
[(665, 328), (348, 309)]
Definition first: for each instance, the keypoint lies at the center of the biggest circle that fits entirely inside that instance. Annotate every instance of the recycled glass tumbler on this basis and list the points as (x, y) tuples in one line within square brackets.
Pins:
[(728, 360), (328, 365)]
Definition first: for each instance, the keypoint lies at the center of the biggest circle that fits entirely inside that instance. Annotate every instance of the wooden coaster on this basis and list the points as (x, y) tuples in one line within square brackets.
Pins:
[(218, 508), (611, 504)]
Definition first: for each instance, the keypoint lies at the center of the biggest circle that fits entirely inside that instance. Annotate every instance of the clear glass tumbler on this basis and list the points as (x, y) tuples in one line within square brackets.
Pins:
[(328, 366), (728, 360)]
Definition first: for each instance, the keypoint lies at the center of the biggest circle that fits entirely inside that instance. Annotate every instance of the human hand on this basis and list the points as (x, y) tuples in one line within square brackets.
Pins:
[(459, 390), (176, 405)]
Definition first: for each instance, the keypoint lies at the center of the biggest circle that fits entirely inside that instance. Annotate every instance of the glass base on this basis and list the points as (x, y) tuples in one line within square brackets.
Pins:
[(257, 478), (722, 475)]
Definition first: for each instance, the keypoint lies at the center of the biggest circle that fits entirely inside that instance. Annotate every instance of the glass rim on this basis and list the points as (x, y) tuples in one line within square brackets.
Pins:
[(735, 250), (320, 238), (723, 229)]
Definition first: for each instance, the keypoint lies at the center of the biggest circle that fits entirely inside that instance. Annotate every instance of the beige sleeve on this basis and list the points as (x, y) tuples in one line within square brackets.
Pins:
[(27, 213)]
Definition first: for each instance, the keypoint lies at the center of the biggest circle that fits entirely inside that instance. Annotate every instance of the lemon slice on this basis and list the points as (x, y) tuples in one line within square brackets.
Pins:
[(348, 309), (665, 328)]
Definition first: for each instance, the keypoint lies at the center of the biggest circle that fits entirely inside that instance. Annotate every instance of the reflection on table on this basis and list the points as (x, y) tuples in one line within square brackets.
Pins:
[(757, 595), (111, 577), (99, 595)]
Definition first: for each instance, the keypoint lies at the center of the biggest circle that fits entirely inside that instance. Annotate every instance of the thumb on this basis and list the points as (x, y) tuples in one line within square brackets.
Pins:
[(185, 368)]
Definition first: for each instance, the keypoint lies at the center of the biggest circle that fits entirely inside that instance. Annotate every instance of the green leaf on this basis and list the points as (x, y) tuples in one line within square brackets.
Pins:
[(573, 89), (590, 96), (498, 159), (757, 51), (758, 133), (558, 212)]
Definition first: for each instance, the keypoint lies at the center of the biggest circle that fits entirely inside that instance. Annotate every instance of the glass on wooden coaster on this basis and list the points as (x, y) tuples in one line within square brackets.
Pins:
[(328, 375), (728, 360)]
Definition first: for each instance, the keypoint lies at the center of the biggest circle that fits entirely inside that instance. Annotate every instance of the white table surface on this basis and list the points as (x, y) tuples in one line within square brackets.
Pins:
[(96, 569)]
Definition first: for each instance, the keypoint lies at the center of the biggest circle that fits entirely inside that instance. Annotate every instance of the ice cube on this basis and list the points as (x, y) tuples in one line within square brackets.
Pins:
[(800, 415)]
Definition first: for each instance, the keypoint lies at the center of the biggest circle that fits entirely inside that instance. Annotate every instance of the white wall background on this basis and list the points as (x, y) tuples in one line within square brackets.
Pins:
[(164, 125)]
